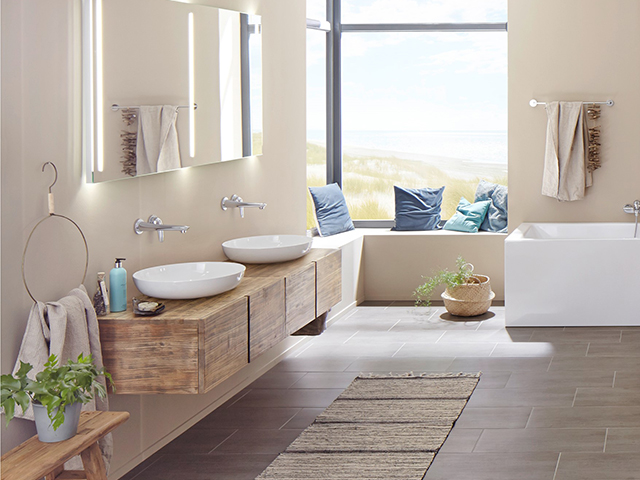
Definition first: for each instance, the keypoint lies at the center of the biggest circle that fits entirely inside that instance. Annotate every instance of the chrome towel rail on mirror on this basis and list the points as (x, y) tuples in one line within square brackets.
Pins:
[(609, 103)]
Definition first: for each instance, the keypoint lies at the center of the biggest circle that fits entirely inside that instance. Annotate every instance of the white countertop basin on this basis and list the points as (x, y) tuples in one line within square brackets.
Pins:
[(189, 280), (267, 248)]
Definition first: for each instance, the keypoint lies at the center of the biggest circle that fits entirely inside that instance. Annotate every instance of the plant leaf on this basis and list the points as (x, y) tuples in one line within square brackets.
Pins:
[(9, 407)]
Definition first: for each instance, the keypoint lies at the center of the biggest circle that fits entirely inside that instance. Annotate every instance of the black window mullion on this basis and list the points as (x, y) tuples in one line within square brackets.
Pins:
[(334, 94)]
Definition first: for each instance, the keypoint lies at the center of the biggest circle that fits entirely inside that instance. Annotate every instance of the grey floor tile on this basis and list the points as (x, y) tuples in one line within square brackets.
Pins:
[(631, 335), (401, 365), (292, 397), (197, 440), (491, 466), (589, 397), (348, 350), (258, 441), (239, 417), (494, 380), (623, 440), (510, 417), (541, 440), (628, 379), (595, 364), (487, 335), (371, 338), (577, 335), (445, 350), (136, 471), (589, 466), (500, 364), (461, 440), (560, 379), (540, 349), (303, 418), (523, 397), (291, 364), (628, 349), (325, 380), (584, 417), (277, 379)]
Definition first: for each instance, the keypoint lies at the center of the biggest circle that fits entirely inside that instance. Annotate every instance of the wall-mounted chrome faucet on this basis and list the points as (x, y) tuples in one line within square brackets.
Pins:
[(236, 201), (155, 224), (635, 209)]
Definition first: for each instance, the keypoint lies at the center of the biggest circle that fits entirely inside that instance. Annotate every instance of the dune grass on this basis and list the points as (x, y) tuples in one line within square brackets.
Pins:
[(368, 183)]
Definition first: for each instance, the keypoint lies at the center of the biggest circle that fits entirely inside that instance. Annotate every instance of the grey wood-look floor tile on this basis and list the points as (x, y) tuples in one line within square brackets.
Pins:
[(137, 470), (207, 467), (370, 338), (292, 364), (493, 380), (541, 440), (500, 364), (622, 397), (491, 466), (595, 364), (461, 440), (584, 417), (292, 397), (599, 466), (540, 349), (505, 417), (258, 441), (560, 379), (628, 379), (523, 397), (623, 440), (348, 350), (325, 380), (277, 379), (631, 335), (577, 335), (487, 335), (197, 440), (445, 350), (401, 365), (239, 417), (303, 418), (628, 349)]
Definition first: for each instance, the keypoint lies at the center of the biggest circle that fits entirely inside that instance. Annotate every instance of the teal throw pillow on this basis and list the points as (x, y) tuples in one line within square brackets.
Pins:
[(468, 216)]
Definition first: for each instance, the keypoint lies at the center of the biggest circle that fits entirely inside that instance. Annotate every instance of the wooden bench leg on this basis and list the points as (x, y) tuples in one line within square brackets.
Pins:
[(54, 473), (93, 464)]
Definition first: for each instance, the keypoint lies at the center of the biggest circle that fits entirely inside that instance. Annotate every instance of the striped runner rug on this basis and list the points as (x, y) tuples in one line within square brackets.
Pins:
[(381, 427)]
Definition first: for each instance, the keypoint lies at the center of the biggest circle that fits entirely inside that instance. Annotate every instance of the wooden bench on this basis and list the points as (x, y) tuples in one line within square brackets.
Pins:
[(34, 459)]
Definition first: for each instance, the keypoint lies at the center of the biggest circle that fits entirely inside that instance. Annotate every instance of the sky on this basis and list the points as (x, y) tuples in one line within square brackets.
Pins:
[(442, 81)]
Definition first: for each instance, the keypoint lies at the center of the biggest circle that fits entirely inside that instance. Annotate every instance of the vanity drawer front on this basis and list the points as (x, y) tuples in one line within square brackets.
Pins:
[(151, 356), (329, 281), (300, 294), (266, 318), (226, 343)]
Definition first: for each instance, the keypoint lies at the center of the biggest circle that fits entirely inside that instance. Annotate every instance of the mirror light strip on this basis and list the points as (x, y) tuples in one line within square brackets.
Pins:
[(99, 90), (192, 93)]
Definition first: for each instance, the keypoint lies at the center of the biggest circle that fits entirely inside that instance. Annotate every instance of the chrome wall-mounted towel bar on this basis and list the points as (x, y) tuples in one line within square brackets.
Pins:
[(609, 103), (115, 107)]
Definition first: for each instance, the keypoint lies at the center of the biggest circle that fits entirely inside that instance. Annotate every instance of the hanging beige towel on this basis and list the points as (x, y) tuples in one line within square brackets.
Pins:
[(65, 328), (565, 174), (157, 148)]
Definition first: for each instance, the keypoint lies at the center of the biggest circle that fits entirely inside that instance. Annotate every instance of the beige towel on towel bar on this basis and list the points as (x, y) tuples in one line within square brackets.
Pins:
[(65, 328), (157, 148), (565, 174)]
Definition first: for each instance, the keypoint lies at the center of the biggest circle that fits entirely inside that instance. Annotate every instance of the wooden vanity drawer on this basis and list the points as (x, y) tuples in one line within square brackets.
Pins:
[(266, 318), (328, 281), (300, 294)]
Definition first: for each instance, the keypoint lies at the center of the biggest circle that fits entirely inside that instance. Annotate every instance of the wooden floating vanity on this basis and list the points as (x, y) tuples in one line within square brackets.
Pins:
[(195, 344)]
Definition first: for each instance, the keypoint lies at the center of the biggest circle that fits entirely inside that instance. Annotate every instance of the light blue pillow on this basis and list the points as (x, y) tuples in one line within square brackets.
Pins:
[(496, 219), (417, 208), (332, 213), (468, 216)]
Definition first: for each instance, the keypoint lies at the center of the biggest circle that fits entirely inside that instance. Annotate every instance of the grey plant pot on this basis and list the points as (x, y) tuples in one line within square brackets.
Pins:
[(68, 429)]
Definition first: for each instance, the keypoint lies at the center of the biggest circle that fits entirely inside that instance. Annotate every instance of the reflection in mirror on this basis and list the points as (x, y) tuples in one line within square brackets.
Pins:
[(168, 85)]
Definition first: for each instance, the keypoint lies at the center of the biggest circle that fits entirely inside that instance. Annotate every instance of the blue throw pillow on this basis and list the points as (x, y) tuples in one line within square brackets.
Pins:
[(332, 213), (468, 216), (496, 219), (417, 208)]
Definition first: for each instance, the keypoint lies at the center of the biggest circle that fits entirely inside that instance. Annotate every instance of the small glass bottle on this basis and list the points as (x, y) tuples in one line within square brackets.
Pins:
[(101, 297)]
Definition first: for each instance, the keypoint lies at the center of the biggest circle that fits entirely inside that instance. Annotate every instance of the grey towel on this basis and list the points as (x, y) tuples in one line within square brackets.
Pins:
[(565, 162), (65, 328)]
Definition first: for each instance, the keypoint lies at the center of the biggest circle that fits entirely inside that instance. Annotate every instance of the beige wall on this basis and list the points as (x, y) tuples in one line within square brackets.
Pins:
[(41, 121), (574, 50)]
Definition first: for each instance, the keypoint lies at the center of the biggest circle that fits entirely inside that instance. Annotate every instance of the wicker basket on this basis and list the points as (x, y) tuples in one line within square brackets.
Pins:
[(470, 299)]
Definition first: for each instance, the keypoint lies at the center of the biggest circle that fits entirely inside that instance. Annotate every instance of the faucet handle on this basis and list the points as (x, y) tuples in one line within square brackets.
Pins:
[(157, 221)]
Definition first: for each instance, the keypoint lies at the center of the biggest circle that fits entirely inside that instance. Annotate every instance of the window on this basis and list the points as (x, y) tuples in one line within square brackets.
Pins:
[(421, 90)]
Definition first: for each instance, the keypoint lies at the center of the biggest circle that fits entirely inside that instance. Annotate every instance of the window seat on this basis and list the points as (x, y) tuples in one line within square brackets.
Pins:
[(386, 265)]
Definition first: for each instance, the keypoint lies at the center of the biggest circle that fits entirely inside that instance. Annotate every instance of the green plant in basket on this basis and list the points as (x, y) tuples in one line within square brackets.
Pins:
[(55, 387), (424, 292)]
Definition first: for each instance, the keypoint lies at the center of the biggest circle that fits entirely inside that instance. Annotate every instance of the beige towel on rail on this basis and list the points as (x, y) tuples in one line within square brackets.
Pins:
[(157, 149), (565, 174), (65, 328)]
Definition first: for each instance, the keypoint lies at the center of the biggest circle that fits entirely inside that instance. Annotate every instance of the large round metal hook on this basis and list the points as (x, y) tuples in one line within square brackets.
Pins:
[(55, 170)]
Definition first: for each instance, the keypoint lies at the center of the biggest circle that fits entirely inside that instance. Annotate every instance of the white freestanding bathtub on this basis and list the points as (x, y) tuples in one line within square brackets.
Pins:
[(572, 274)]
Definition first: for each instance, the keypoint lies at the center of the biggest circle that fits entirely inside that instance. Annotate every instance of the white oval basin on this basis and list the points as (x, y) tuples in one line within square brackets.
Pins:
[(267, 248), (189, 280)]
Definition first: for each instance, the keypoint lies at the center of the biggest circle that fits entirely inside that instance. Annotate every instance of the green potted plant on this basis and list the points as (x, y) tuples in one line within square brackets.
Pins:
[(466, 294), (57, 394)]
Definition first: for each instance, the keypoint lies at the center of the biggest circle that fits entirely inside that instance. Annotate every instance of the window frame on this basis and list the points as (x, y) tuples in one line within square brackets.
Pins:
[(334, 79)]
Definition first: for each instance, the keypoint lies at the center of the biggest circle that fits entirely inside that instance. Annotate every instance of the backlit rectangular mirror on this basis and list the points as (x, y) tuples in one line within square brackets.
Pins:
[(168, 85)]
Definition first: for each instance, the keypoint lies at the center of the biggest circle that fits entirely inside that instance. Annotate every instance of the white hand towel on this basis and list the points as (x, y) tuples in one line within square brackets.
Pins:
[(157, 148), (565, 174)]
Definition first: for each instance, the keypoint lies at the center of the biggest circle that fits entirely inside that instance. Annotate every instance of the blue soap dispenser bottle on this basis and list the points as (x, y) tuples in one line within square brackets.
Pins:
[(118, 287)]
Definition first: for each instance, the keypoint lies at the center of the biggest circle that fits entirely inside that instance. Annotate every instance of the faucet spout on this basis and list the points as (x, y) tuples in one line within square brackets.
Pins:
[(155, 224), (236, 201)]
